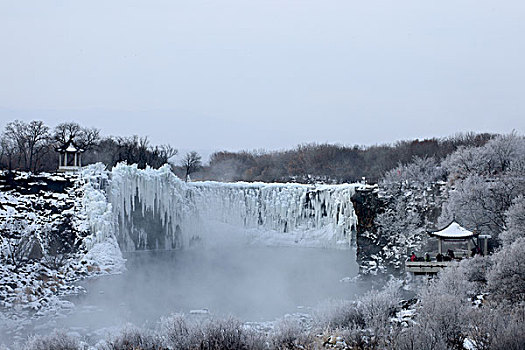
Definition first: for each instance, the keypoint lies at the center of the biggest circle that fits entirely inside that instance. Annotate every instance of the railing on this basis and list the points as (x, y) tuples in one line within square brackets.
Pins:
[(65, 168), (424, 267)]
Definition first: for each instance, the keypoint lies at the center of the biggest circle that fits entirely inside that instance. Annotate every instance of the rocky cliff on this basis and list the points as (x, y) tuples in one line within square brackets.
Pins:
[(392, 222)]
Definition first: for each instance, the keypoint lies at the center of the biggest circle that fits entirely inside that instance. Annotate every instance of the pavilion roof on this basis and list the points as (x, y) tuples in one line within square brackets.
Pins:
[(453, 231), (69, 147)]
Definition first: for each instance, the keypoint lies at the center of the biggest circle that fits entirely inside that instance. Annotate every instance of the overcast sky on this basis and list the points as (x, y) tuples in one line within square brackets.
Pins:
[(265, 74)]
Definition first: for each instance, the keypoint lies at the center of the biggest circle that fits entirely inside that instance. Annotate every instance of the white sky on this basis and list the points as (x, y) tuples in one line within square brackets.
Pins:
[(265, 74)]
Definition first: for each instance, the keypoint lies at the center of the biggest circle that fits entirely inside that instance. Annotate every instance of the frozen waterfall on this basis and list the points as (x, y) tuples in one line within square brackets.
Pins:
[(156, 210)]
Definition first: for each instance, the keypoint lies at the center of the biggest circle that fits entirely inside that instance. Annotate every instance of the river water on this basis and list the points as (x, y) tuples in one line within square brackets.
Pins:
[(248, 282)]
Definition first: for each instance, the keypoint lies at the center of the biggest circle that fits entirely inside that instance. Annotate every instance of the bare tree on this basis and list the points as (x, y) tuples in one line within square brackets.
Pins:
[(37, 142), (166, 151), (89, 138), (191, 163), (31, 140), (134, 150), (8, 150), (65, 132), (85, 138), (137, 150), (15, 132), (19, 241)]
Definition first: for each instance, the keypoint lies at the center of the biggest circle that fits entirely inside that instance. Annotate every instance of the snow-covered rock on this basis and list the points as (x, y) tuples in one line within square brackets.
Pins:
[(54, 231)]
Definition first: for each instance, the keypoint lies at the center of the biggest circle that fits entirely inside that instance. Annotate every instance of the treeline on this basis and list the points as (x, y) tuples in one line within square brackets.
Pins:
[(483, 190), (31, 147), (330, 163)]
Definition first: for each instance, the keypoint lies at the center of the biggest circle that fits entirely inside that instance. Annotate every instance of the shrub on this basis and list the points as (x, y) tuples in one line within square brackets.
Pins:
[(58, 340), (227, 333), (506, 278), (441, 316), (132, 338), (499, 327), (176, 332), (515, 221), (289, 334), (475, 271), (417, 337), (510, 334), (338, 314)]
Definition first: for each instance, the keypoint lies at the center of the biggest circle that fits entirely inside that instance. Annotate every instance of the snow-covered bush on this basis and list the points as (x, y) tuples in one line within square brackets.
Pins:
[(515, 219), (377, 308), (419, 173), (420, 336), (496, 327), (131, 337), (506, 278), (447, 317), (481, 204), (176, 332), (338, 314), (454, 280), (475, 271), (466, 161), (443, 314), (444, 304), (289, 334), (351, 337), (505, 153), (58, 340), (228, 333), (510, 334), (373, 310), (490, 179), (366, 320)]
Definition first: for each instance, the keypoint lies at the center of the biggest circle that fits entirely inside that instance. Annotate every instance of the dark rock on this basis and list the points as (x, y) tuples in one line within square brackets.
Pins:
[(367, 205)]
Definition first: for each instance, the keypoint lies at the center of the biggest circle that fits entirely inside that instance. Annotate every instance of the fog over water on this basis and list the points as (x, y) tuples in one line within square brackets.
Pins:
[(252, 283)]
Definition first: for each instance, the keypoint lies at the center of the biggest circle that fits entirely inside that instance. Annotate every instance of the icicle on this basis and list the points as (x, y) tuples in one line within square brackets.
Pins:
[(281, 208)]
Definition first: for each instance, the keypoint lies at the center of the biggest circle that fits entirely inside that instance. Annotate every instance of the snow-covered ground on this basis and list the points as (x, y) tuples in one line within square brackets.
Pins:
[(56, 231)]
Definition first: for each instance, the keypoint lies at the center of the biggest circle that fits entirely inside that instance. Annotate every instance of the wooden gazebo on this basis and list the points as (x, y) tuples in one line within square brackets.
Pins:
[(70, 157)]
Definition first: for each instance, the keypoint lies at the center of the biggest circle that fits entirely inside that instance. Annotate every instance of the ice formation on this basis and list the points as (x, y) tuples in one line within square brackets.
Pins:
[(158, 193), (97, 218), (275, 210)]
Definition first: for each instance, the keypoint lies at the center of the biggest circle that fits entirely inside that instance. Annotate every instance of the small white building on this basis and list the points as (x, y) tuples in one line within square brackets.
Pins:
[(69, 157), (452, 233)]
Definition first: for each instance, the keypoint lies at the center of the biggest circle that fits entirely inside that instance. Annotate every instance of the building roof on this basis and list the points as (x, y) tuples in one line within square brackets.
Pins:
[(69, 147), (453, 231)]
